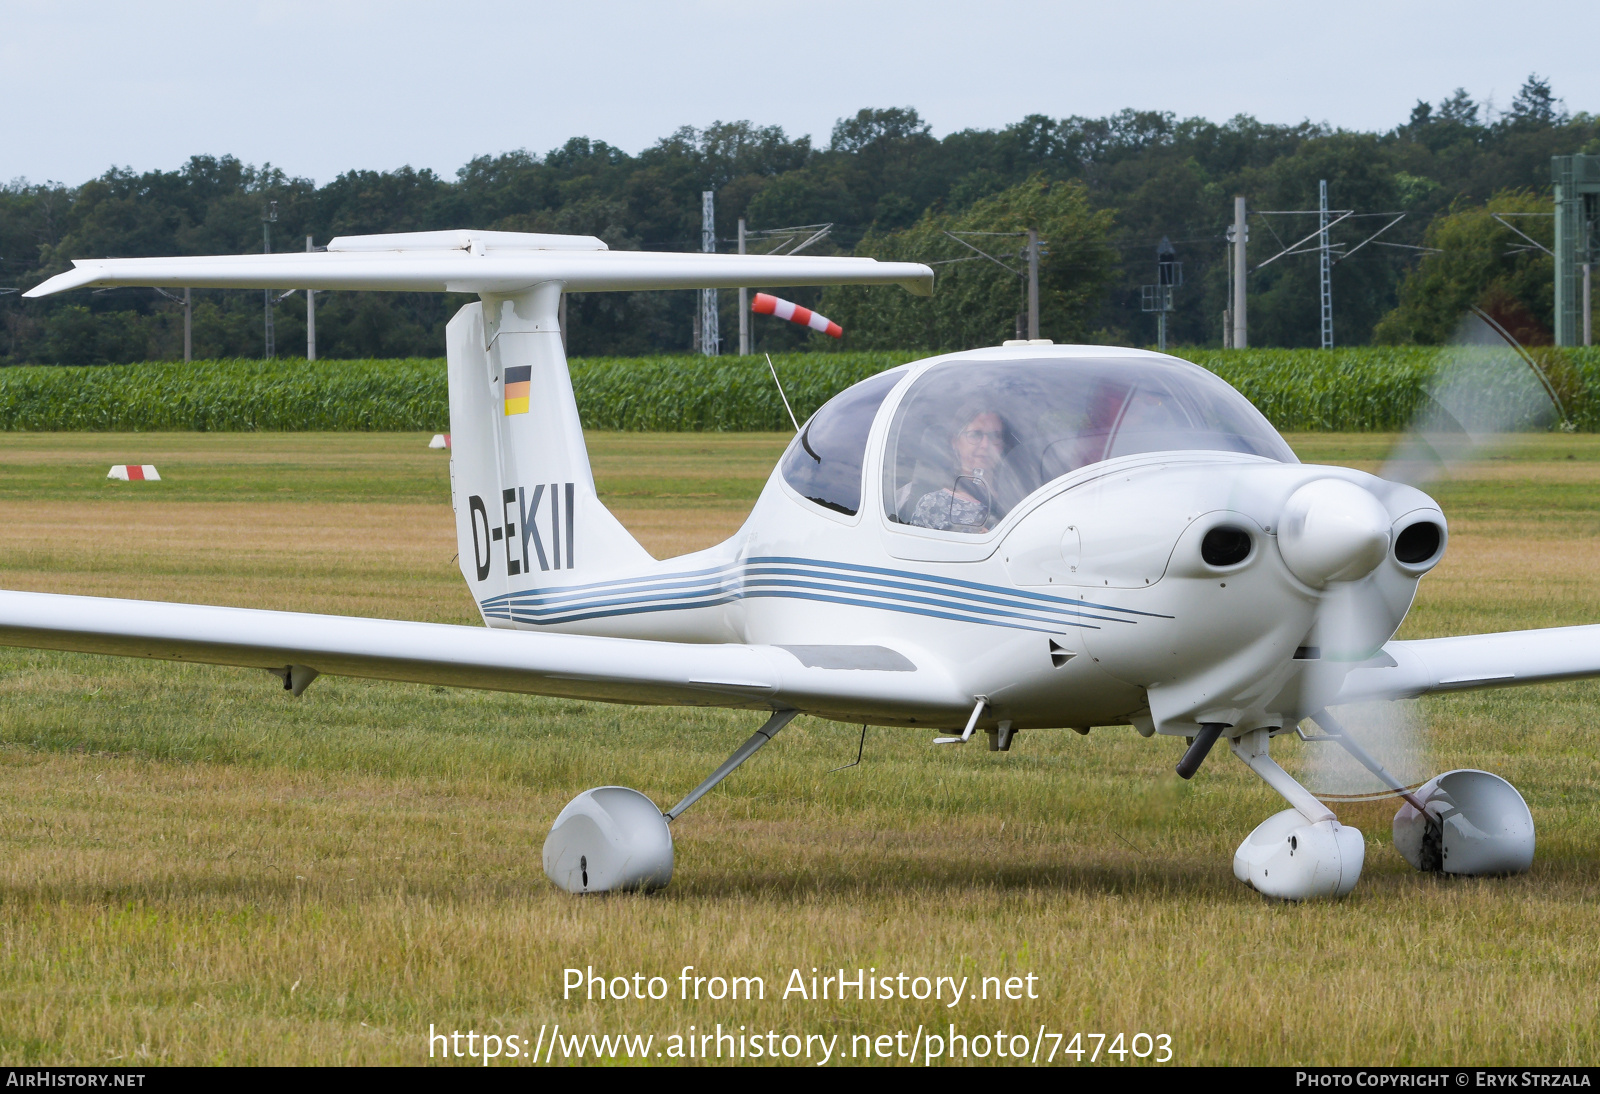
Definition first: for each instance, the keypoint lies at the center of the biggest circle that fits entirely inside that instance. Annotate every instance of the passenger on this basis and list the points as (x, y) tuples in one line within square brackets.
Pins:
[(968, 504)]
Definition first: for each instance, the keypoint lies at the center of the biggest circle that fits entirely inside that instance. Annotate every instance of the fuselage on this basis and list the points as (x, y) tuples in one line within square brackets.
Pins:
[(1087, 587)]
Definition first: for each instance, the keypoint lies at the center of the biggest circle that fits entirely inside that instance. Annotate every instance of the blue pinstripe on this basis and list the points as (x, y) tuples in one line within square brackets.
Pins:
[(787, 577)]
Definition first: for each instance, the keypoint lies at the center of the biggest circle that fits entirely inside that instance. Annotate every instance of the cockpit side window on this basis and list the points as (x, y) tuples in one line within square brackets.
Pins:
[(824, 463), (971, 439)]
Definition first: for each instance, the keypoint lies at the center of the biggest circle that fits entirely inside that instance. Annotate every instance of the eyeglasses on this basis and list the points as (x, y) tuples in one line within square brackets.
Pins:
[(977, 436)]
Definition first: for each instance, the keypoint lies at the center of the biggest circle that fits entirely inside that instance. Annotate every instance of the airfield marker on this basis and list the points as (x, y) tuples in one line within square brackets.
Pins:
[(134, 472)]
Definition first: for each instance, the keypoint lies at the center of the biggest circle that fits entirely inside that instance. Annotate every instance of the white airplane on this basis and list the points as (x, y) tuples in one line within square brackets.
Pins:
[(1025, 537)]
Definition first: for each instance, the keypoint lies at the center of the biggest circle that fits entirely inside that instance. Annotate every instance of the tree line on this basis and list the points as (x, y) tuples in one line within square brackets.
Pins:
[(1102, 192)]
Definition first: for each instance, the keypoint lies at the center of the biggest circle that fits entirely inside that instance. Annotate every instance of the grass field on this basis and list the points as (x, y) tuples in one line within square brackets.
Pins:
[(197, 868)]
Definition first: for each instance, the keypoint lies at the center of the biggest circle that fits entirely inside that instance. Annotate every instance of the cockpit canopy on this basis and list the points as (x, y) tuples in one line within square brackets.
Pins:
[(972, 438)]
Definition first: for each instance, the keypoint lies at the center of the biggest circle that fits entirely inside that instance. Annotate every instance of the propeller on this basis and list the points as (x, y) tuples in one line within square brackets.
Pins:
[(1483, 386)]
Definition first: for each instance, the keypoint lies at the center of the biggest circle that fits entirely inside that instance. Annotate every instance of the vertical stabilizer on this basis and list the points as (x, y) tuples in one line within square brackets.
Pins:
[(527, 516)]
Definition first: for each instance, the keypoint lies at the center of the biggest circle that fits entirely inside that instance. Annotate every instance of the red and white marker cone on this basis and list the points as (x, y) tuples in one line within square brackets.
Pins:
[(766, 304), (134, 472), (440, 440)]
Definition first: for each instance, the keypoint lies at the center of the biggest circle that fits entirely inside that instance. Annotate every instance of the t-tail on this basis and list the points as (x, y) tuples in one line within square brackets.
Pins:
[(528, 520), (527, 515)]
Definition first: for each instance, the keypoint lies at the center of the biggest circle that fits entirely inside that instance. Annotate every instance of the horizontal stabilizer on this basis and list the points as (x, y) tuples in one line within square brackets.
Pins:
[(485, 262)]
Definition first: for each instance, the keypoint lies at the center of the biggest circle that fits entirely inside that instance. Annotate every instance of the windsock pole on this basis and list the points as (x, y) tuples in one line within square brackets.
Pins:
[(766, 304)]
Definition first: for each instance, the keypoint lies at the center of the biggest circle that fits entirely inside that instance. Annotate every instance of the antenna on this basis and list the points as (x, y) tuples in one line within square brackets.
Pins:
[(860, 748), (781, 395)]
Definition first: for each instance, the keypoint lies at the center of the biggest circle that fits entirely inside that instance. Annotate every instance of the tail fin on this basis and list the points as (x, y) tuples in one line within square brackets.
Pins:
[(527, 515)]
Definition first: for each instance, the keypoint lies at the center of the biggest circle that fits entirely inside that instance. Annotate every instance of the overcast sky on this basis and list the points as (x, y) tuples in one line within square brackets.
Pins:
[(322, 87)]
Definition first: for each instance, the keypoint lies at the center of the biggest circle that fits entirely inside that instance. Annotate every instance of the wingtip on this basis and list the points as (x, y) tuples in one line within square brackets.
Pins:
[(75, 278), (921, 285)]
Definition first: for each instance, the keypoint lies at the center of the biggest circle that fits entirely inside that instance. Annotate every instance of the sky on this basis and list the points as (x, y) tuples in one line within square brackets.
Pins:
[(319, 88)]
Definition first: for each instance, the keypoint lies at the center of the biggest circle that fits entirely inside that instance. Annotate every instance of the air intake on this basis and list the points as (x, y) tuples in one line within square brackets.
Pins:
[(1418, 543)]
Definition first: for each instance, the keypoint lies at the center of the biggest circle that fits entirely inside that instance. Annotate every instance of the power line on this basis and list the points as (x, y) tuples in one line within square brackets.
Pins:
[(1500, 218)]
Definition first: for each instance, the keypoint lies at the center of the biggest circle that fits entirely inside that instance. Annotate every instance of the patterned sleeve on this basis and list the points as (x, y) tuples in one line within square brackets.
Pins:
[(933, 511)]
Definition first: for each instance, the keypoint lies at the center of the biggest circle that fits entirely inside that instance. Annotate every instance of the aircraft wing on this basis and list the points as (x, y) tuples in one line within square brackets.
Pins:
[(435, 267), (1468, 662), (853, 681)]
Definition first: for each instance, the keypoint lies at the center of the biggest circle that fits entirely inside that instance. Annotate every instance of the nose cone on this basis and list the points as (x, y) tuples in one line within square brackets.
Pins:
[(1333, 530)]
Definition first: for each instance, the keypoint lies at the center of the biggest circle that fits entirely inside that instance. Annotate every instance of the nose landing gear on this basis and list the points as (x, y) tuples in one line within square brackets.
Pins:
[(1462, 822), (1289, 859), (1302, 853)]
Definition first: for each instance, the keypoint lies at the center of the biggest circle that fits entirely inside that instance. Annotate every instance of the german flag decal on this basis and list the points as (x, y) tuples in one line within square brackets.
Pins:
[(517, 388)]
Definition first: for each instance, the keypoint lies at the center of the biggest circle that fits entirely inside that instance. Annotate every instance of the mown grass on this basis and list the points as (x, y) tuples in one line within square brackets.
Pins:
[(195, 867), (1359, 389)]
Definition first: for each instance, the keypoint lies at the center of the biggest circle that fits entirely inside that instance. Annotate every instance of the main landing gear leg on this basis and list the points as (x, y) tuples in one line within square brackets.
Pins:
[(612, 837), (1302, 853), (758, 740)]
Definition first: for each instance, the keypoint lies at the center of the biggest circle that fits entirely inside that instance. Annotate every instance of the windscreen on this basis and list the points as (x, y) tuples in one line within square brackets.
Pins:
[(824, 461), (973, 438)]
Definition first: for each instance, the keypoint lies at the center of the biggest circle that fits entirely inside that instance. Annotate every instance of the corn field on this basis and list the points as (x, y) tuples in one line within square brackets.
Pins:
[(1347, 390)]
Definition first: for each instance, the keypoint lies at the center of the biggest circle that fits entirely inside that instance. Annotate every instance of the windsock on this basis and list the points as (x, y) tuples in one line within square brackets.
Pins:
[(766, 304)]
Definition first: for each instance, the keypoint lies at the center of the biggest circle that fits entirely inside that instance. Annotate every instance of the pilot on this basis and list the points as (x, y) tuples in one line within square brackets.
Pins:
[(968, 504)]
